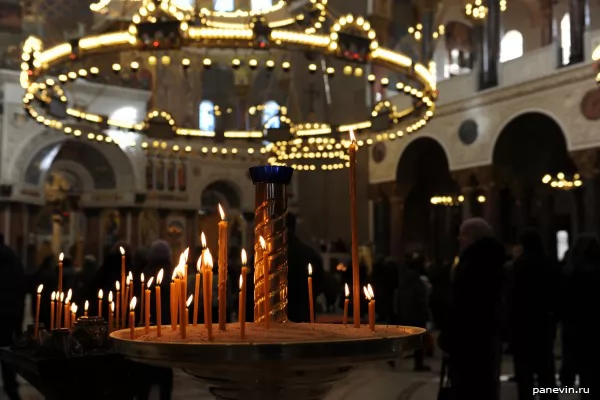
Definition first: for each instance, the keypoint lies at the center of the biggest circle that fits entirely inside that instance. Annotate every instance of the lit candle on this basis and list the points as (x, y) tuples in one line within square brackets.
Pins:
[(142, 315), (241, 308), (73, 315), (61, 257), (67, 309), (197, 290), (37, 310), (174, 287), (111, 316), (132, 286), (186, 315), (147, 317), (181, 297), (223, 249), (208, 278), (127, 297), (266, 281), (184, 267), (346, 302), (100, 297), (86, 306), (310, 295), (354, 229), (123, 302), (59, 305), (119, 298), (132, 304), (52, 305), (242, 316), (159, 279), (371, 298)]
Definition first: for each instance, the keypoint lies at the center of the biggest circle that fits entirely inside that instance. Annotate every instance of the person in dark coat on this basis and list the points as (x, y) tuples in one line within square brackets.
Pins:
[(12, 304), (581, 312), (299, 256), (532, 316), (412, 301), (471, 336)]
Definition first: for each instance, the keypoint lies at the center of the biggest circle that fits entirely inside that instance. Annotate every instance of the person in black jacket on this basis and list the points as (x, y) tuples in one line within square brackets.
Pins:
[(472, 333), (12, 304), (532, 294)]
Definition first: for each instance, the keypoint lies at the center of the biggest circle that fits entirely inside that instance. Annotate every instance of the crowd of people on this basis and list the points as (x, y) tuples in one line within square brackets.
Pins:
[(484, 303)]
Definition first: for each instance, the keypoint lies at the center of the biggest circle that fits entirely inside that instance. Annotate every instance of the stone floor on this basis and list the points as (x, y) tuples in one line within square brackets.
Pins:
[(376, 382)]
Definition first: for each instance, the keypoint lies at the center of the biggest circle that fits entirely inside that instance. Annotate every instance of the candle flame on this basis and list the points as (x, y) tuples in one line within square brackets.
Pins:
[(132, 303), (199, 264), (174, 274), (159, 277), (189, 300), (208, 260), (241, 280), (263, 244), (86, 306), (122, 250), (186, 253), (53, 296), (110, 297), (130, 276), (347, 291), (222, 213), (182, 261), (142, 277), (244, 258), (127, 280), (40, 288), (352, 137), (61, 257), (367, 294), (69, 295), (74, 308), (309, 269), (150, 281), (112, 307), (203, 241), (100, 294), (62, 296), (371, 293), (117, 286)]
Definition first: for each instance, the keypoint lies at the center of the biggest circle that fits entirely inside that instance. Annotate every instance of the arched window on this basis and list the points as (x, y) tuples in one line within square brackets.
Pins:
[(270, 115), (511, 46), (565, 38), (207, 116), (261, 4), (223, 5)]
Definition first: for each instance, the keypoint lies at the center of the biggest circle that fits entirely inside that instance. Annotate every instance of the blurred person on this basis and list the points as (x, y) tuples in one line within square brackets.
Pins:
[(471, 335), (581, 312), (12, 304), (532, 316)]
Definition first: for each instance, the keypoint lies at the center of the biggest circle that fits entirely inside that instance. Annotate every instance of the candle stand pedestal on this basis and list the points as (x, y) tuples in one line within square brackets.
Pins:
[(274, 364)]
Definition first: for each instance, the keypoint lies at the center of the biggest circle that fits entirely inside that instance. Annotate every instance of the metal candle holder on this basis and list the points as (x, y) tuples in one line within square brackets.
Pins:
[(270, 223)]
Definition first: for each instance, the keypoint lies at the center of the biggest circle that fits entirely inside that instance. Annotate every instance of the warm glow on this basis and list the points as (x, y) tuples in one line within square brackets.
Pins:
[(150, 281), (370, 290), (241, 280), (186, 255), (110, 297), (199, 264), (112, 307), (222, 213), (142, 277), (130, 276), (309, 269), (69, 295), (127, 280), (86, 306), (159, 277), (122, 250), (74, 308), (352, 137), (100, 294), (132, 303), (189, 300), (244, 258), (208, 260), (174, 274), (62, 296), (203, 240), (347, 290), (61, 257), (263, 244), (40, 288), (367, 295), (117, 286), (53, 296)]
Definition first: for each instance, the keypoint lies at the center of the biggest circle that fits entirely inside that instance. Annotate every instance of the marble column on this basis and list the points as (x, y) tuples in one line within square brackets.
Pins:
[(578, 13)]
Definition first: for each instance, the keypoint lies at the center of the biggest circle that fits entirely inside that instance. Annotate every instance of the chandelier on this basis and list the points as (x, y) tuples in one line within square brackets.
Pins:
[(562, 181), (478, 10), (447, 201), (163, 30)]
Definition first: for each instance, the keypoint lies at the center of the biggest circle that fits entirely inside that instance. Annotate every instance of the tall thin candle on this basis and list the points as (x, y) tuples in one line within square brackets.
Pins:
[(197, 290), (354, 230), (52, 306), (244, 286), (159, 279), (371, 299), (266, 280), (147, 310), (310, 295), (59, 306), (242, 307), (37, 310), (119, 299), (346, 302), (127, 296), (132, 286), (123, 301), (208, 278), (86, 307), (223, 250), (186, 314), (132, 304), (73, 315), (184, 266), (100, 297), (142, 315), (68, 309), (61, 257), (173, 296), (111, 317)]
